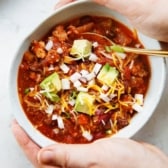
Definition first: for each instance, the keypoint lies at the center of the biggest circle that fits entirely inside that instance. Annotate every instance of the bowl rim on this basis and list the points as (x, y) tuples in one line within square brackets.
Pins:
[(35, 135)]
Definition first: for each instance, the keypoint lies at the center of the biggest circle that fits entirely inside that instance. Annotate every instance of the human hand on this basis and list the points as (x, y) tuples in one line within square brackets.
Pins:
[(115, 152), (62, 3), (29, 147), (149, 17)]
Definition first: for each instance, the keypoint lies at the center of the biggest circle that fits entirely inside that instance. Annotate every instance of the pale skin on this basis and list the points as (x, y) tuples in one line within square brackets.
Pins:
[(106, 153), (115, 152), (149, 17)]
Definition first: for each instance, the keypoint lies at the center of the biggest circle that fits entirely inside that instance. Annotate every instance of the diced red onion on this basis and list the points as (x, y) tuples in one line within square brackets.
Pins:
[(90, 76), (105, 87), (64, 68), (71, 102), (111, 96), (51, 68), (59, 50), (75, 76), (77, 84), (87, 135), (139, 99), (93, 57), (49, 45), (54, 117), (84, 72), (97, 68), (49, 109), (104, 97), (91, 82), (137, 107), (60, 122), (121, 55), (95, 44), (82, 79), (65, 84), (56, 130), (82, 89)]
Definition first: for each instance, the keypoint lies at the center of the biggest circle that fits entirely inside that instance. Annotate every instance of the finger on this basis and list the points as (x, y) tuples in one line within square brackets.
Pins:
[(70, 156), (114, 4), (27, 145), (62, 3), (121, 6)]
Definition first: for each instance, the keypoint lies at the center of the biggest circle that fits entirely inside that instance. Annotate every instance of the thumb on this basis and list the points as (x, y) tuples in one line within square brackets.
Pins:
[(67, 155)]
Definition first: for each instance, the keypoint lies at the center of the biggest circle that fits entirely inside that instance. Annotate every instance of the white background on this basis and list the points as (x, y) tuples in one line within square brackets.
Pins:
[(17, 19)]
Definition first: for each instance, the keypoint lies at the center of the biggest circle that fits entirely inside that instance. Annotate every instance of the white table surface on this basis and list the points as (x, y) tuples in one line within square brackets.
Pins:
[(17, 18)]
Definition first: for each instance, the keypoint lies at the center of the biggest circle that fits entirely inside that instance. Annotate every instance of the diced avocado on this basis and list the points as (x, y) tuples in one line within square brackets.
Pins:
[(116, 48), (27, 90), (52, 96), (107, 74), (51, 86), (81, 48), (85, 103), (52, 83)]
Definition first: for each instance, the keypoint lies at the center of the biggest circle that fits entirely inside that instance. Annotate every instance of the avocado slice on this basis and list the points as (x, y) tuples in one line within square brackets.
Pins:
[(85, 103), (51, 85), (107, 74), (81, 48)]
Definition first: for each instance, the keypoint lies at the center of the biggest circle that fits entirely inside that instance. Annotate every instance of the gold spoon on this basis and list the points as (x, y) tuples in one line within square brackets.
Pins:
[(159, 53)]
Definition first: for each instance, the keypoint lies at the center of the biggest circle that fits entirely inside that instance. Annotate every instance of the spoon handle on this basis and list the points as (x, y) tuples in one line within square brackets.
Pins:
[(159, 53), (150, 52)]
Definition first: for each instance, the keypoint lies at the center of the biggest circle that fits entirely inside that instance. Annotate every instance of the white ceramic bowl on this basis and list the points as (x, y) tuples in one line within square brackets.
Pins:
[(67, 12)]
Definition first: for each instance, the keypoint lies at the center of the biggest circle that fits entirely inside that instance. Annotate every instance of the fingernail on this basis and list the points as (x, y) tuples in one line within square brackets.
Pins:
[(46, 157)]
